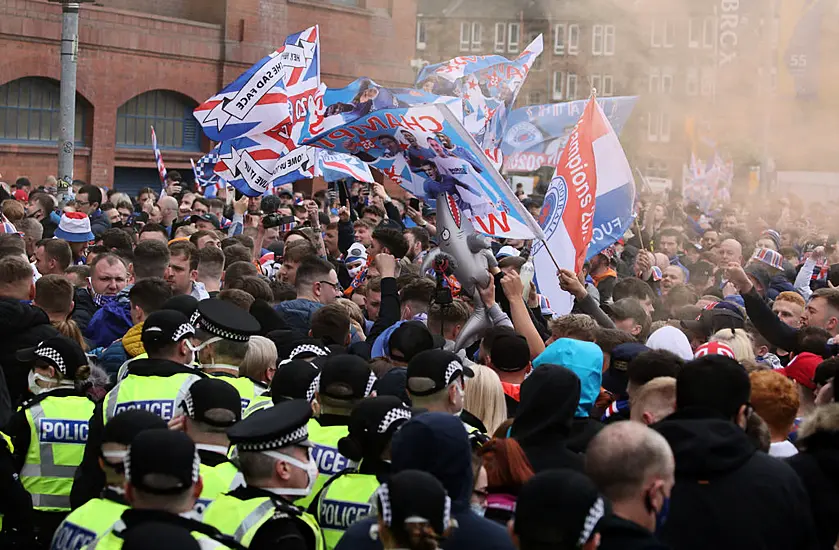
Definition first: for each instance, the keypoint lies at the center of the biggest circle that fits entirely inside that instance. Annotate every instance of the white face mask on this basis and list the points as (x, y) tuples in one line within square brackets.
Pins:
[(310, 467), (34, 387), (353, 271), (197, 349)]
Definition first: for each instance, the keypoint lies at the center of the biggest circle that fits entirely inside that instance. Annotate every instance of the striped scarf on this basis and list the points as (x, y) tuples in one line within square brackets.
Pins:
[(358, 280)]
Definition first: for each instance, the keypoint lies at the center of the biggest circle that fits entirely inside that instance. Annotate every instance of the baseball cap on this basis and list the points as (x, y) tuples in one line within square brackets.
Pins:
[(165, 327), (802, 369), (558, 508), (616, 378), (294, 379), (412, 494), (208, 217), (722, 315), (306, 348), (371, 425), (122, 430), (506, 251), (162, 462), (345, 378), (432, 370), (510, 352), (394, 382), (411, 338), (59, 351), (211, 397), (184, 303)]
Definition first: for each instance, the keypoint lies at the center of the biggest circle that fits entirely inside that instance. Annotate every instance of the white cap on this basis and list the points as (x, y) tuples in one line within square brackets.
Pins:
[(506, 251)]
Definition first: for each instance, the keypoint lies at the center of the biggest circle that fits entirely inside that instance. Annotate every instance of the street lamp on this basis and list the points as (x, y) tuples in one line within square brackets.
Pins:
[(67, 127)]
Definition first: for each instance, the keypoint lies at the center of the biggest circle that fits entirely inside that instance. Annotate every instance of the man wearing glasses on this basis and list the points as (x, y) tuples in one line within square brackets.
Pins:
[(317, 285), (88, 200)]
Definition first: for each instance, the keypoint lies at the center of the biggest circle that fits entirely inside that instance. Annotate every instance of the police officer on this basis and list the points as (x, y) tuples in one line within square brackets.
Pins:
[(344, 381), (276, 459), (223, 331), (294, 379), (97, 516), (211, 407), (162, 484), (346, 496), (49, 430), (16, 529), (157, 384)]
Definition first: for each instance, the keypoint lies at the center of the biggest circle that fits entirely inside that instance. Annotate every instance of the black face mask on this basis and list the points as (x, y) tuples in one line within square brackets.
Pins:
[(118, 225)]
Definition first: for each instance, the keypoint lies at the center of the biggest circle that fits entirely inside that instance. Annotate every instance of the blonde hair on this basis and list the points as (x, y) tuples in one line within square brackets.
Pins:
[(261, 356), (657, 397), (484, 397), (353, 311), (740, 342), (71, 330)]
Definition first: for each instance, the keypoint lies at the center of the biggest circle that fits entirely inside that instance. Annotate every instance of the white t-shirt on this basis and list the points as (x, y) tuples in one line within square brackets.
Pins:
[(782, 449)]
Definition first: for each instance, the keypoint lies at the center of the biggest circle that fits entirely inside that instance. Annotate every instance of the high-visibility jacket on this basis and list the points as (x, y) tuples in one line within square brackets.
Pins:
[(250, 392), (218, 480), (91, 520), (161, 395), (5, 440), (207, 537), (243, 518), (325, 453), (58, 432), (345, 499)]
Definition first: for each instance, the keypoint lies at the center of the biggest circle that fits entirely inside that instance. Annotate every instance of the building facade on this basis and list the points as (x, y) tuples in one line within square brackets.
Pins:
[(147, 62)]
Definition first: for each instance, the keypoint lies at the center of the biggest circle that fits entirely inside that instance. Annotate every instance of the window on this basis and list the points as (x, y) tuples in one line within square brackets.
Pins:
[(663, 34), (669, 34), (653, 121), (709, 26), (465, 30), (535, 98), (170, 114), (666, 81), (664, 128), (559, 39), (608, 40), (420, 34), (571, 86), (658, 127), (573, 39), (655, 39), (692, 81), (559, 79), (608, 85), (477, 32), (693, 33), (654, 80), (30, 112), (513, 37), (595, 83), (707, 81), (500, 37), (597, 40)]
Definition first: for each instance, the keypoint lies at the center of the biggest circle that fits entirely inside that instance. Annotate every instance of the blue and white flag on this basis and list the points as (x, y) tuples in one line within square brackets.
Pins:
[(254, 164), (428, 151), (338, 166), (272, 92), (158, 158)]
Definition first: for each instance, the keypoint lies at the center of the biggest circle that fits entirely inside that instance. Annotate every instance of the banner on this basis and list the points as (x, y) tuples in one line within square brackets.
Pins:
[(488, 86), (426, 150), (158, 158), (273, 91), (592, 170), (338, 166), (536, 135), (801, 23)]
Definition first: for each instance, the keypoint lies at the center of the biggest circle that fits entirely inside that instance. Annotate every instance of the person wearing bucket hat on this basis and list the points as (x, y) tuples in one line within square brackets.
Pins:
[(75, 229), (50, 429), (371, 427)]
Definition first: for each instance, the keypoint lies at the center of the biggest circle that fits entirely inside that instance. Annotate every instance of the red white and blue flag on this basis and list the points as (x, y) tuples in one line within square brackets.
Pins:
[(158, 158), (592, 174), (338, 166), (271, 92)]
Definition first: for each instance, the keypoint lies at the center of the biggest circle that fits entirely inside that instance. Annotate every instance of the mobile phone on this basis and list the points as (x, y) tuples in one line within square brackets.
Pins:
[(414, 203)]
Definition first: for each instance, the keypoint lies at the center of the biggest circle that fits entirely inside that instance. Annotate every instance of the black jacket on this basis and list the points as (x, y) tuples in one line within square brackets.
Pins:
[(544, 417), (777, 332), (621, 534), (83, 308), (818, 467), (21, 326), (729, 495)]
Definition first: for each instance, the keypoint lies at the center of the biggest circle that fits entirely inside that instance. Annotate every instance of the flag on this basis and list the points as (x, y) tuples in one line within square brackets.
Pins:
[(592, 171), (427, 151), (337, 166), (488, 86), (273, 91), (158, 158)]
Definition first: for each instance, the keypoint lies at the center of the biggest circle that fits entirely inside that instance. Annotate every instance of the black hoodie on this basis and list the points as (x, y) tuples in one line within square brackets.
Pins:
[(549, 398), (818, 467), (728, 495), (21, 326)]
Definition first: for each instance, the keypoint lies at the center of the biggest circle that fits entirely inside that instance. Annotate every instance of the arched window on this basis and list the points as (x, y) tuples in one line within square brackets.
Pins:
[(171, 115), (30, 112)]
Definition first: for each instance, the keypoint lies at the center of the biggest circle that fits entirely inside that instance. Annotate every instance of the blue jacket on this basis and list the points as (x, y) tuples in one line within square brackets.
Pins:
[(437, 443), (99, 223), (298, 313), (111, 321)]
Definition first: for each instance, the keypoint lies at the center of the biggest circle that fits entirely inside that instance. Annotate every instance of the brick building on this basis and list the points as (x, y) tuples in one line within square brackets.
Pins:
[(144, 62)]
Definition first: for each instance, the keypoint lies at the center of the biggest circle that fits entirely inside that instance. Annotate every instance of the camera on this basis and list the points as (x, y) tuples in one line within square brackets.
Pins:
[(275, 220)]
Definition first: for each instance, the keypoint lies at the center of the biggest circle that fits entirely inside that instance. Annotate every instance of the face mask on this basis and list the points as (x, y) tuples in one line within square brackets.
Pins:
[(309, 467), (99, 299), (660, 515), (197, 349), (459, 390), (353, 271), (34, 387), (477, 509)]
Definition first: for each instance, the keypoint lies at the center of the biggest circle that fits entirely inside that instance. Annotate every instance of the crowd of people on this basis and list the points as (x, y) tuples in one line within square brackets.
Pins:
[(286, 372)]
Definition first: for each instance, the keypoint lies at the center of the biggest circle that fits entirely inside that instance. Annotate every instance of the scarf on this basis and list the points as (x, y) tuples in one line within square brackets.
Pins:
[(358, 280), (605, 275)]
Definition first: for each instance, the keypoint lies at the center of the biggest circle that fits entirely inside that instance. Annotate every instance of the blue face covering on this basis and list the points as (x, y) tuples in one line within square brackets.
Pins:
[(661, 515)]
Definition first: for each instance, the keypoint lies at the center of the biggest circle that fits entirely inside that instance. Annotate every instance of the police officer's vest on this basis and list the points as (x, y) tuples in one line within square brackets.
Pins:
[(161, 395), (325, 453), (6, 440), (242, 518), (249, 391), (112, 539), (263, 402), (84, 524), (345, 499), (58, 428), (218, 480)]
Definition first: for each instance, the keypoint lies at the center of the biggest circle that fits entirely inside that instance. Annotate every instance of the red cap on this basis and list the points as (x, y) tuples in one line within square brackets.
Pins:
[(21, 195), (802, 369), (714, 348)]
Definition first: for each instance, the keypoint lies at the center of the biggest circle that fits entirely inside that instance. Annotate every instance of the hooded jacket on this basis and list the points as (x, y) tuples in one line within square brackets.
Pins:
[(728, 495), (549, 397), (298, 313), (437, 443), (21, 326), (111, 322), (83, 308)]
